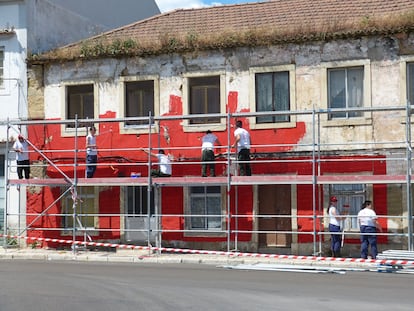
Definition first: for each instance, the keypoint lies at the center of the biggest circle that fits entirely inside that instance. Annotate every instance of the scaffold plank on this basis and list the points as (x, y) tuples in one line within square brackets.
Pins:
[(271, 179), (190, 180), (39, 182), (220, 180), (113, 181), (365, 179)]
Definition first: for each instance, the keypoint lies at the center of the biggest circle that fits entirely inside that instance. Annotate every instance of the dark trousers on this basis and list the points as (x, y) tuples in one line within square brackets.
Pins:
[(369, 239), (208, 156), (91, 161), (23, 167), (244, 155), (158, 173), (336, 240)]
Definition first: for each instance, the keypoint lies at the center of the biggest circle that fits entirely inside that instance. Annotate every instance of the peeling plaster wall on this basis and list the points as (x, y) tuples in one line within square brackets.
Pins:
[(380, 54)]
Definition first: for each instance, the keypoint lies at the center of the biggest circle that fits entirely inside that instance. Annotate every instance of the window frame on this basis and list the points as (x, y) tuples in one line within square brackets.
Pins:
[(82, 130), (139, 129), (219, 126), (189, 231), (405, 80), (143, 192), (366, 118), (345, 197), (408, 80), (291, 69), (67, 204), (347, 73)]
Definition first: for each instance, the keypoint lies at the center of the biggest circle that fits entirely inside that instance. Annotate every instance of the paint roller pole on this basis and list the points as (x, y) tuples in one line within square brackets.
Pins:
[(346, 209)]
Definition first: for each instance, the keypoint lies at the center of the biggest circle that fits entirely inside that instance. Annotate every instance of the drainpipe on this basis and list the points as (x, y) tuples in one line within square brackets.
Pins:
[(7, 187), (409, 171)]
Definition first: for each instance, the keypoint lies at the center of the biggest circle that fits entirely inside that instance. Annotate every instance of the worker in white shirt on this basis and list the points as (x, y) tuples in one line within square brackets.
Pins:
[(21, 147), (164, 163), (242, 143), (91, 152), (335, 220), (209, 141), (368, 224)]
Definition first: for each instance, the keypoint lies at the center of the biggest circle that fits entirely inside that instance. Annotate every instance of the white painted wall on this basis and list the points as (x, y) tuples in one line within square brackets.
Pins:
[(13, 94), (40, 25)]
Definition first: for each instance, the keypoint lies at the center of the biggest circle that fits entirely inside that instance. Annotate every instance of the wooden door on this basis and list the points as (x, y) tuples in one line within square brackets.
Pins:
[(275, 200)]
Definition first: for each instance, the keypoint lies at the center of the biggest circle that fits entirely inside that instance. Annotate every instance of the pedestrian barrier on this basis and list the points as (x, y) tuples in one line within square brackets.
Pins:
[(389, 262)]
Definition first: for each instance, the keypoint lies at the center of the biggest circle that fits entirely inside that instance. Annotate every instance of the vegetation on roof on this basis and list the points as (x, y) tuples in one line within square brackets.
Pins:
[(106, 46)]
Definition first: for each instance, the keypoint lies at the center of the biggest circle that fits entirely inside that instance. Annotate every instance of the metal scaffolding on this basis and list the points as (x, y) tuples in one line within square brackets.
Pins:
[(313, 152)]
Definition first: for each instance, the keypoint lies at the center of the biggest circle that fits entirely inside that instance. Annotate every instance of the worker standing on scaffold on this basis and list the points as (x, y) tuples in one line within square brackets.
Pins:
[(91, 153), (242, 143), (21, 147)]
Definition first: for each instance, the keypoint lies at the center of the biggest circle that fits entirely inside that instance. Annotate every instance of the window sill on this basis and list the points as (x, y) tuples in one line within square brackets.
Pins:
[(215, 127), (71, 132), (264, 126), (347, 122), (91, 232), (205, 234), (138, 129)]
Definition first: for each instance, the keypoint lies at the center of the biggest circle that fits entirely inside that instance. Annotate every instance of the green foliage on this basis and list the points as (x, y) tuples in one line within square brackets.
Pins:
[(115, 48), (11, 241)]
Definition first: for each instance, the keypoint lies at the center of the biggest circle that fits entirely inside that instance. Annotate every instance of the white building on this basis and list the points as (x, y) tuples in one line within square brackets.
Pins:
[(29, 27)]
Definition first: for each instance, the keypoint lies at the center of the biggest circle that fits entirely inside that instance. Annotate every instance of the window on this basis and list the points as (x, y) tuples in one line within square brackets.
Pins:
[(205, 208), (350, 198), (204, 98), (410, 83), (80, 102), (272, 94), (345, 90), (1, 66), (137, 201), (139, 101), (273, 90), (86, 210)]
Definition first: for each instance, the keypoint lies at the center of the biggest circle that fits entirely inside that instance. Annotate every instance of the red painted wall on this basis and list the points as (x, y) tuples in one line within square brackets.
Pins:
[(113, 157)]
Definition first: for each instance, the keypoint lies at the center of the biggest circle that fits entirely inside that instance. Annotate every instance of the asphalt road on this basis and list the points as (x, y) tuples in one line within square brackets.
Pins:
[(39, 285)]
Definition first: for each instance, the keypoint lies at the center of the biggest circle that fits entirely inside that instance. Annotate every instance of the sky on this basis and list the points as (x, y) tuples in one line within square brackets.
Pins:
[(168, 5)]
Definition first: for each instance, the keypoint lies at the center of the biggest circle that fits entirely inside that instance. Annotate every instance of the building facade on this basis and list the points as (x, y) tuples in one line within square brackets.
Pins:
[(326, 105)]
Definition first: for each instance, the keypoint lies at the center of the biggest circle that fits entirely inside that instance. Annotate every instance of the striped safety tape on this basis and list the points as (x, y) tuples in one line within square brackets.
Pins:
[(222, 253)]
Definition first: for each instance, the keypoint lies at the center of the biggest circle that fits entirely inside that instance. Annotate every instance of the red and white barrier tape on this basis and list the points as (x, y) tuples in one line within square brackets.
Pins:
[(222, 253)]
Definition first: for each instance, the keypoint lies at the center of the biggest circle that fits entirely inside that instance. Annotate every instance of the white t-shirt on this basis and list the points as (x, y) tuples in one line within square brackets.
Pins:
[(332, 217), (21, 156), (244, 142), (208, 141), (91, 140), (367, 217), (164, 163)]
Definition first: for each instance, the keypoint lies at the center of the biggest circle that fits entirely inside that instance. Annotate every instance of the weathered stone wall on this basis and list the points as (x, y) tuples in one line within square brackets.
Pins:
[(35, 92), (382, 58)]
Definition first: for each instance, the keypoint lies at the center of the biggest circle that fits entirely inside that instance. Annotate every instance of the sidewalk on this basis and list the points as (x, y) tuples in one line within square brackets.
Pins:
[(145, 256)]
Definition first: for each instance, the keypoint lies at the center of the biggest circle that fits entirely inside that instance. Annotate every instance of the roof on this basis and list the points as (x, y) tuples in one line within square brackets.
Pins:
[(286, 18)]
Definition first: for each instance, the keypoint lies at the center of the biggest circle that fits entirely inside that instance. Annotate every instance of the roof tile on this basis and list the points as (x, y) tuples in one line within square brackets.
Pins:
[(276, 15)]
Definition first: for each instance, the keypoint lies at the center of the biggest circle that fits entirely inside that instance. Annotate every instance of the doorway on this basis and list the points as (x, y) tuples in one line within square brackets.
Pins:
[(275, 201), (140, 226)]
